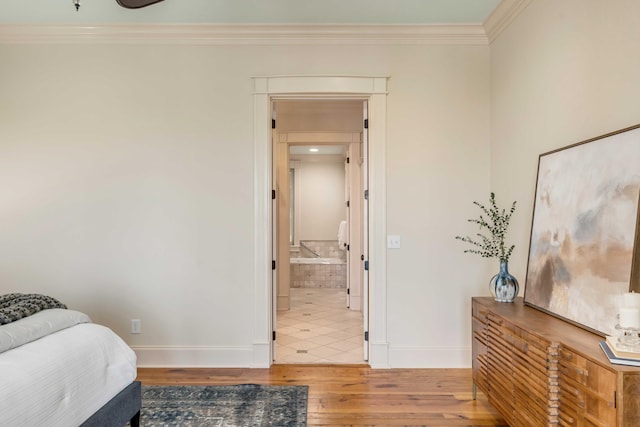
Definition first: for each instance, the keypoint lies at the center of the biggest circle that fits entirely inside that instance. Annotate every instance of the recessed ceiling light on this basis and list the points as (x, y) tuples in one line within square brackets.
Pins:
[(313, 150)]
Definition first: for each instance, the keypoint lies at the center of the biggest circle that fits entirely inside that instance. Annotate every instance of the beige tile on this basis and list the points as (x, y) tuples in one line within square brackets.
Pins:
[(324, 339), (287, 330), (283, 351), (325, 352), (319, 328), (343, 335), (348, 357), (301, 335), (283, 339), (344, 345), (357, 340), (304, 345), (324, 322)]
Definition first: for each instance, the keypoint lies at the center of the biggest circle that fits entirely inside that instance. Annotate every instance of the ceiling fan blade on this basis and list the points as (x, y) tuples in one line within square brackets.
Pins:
[(136, 4)]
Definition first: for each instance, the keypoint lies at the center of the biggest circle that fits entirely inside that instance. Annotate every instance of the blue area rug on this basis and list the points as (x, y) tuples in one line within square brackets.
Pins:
[(235, 405)]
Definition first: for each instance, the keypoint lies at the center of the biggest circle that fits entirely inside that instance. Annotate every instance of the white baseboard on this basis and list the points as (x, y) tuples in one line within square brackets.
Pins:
[(195, 357), (355, 303), (379, 355), (430, 357), (261, 355)]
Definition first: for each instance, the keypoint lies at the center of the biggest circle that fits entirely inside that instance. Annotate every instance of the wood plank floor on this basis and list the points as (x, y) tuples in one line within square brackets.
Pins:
[(356, 395)]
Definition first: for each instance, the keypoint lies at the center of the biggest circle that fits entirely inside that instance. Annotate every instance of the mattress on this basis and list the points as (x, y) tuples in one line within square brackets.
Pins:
[(62, 378)]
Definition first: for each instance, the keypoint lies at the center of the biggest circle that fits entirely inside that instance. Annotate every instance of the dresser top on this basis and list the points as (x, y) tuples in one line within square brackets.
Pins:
[(552, 328)]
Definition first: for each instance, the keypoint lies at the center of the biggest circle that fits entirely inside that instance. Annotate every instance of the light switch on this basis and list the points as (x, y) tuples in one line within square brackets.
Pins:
[(393, 242)]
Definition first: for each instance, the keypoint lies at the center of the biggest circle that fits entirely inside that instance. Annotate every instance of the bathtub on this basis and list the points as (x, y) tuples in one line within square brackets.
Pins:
[(318, 273), (316, 261)]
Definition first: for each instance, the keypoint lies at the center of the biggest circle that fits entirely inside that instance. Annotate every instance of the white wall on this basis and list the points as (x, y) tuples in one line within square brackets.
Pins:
[(437, 164), (561, 73), (320, 199), (126, 188)]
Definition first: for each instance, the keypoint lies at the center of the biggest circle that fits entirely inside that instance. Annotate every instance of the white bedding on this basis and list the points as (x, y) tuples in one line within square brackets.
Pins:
[(63, 378), (38, 325)]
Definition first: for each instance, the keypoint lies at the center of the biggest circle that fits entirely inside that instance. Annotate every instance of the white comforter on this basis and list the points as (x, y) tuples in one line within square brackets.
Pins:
[(62, 378)]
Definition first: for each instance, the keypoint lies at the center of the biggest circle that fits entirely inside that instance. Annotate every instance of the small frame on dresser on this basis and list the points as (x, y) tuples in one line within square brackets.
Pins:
[(583, 251)]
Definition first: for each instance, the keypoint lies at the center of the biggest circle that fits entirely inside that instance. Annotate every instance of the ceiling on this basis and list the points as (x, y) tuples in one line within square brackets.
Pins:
[(250, 12), (303, 152)]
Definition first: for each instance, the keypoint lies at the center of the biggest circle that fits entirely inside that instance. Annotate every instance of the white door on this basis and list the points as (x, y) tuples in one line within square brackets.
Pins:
[(347, 192), (365, 226), (274, 241)]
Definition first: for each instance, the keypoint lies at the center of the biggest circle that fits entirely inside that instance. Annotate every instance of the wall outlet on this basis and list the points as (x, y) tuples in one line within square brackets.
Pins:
[(135, 326)]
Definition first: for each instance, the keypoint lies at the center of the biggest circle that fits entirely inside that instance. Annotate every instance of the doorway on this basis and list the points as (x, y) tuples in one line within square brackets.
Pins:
[(319, 230), (265, 89)]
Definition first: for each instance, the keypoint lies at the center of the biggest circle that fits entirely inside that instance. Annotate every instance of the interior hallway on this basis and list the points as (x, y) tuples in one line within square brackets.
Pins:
[(319, 329)]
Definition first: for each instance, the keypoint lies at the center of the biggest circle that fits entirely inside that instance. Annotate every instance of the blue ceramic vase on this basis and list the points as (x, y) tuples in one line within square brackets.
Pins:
[(504, 287)]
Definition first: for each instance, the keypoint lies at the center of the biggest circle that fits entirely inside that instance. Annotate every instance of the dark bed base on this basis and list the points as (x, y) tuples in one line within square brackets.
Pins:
[(123, 408)]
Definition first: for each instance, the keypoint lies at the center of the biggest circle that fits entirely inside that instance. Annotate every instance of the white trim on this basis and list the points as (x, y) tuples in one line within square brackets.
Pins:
[(375, 90), (430, 357), (247, 34), (315, 138), (502, 16), (378, 352), (262, 325), (195, 356)]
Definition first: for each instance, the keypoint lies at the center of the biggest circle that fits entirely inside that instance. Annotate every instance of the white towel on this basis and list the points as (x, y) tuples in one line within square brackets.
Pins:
[(342, 235)]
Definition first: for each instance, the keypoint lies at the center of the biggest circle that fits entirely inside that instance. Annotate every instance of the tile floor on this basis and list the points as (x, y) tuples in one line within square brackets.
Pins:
[(319, 328)]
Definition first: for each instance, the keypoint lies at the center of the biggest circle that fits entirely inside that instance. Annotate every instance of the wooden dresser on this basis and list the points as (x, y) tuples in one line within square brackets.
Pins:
[(538, 370)]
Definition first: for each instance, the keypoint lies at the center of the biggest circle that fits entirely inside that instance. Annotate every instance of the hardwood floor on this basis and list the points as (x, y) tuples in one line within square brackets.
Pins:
[(356, 395)]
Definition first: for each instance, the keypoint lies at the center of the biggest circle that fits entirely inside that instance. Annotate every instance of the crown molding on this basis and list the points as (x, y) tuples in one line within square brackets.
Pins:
[(502, 16), (258, 34)]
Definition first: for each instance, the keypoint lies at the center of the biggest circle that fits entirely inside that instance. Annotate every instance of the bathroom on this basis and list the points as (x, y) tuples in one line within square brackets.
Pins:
[(317, 258), (316, 322)]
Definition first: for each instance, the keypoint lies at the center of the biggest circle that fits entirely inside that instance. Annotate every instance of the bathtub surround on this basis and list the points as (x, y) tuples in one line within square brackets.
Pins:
[(318, 264), (318, 273), (319, 249)]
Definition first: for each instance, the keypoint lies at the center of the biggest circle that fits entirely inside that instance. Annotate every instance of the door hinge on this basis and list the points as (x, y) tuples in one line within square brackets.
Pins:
[(366, 335), (347, 203), (347, 247), (347, 160), (274, 335), (273, 264), (348, 291), (273, 194), (615, 399), (273, 123), (366, 123), (366, 194), (366, 266)]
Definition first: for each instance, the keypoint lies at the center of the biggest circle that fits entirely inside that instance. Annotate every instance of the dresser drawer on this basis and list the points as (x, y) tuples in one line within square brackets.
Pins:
[(587, 390), (597, 379)]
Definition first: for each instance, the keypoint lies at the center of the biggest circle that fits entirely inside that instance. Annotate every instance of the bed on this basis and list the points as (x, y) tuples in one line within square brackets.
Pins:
[(57, 368)]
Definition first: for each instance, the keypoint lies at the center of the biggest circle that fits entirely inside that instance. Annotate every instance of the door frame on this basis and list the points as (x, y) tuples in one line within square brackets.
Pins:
[(374, 90)]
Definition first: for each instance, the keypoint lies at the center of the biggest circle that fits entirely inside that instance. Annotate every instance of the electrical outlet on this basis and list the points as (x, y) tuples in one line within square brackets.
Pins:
[(135, 326)]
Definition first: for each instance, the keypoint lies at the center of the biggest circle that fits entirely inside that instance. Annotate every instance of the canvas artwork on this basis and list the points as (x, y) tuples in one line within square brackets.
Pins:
[(585, 230)]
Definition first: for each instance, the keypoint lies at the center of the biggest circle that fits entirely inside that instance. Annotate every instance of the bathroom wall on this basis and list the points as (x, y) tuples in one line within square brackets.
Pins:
[(319, 198)]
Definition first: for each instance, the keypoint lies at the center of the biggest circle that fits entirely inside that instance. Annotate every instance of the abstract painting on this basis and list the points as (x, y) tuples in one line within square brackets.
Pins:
[(584, 234)]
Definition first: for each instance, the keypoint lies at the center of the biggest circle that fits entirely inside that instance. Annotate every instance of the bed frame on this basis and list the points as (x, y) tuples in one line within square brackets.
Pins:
[(122, 409)]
